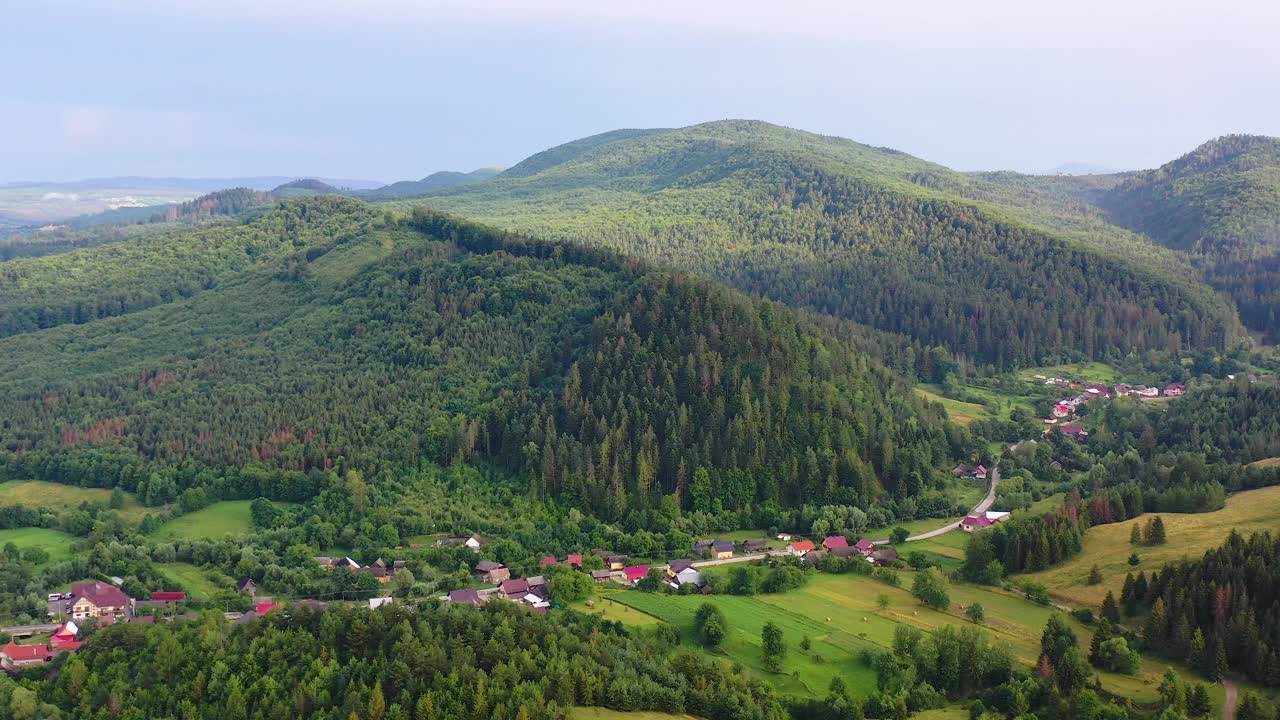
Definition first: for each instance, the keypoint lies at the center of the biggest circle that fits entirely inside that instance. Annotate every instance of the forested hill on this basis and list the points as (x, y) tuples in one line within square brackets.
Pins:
[(330, 335), (432, 182), (868, 234), (1221, 204)]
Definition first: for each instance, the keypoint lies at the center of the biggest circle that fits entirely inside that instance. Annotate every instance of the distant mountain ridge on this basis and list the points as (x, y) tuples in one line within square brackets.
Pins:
[(432, 182)]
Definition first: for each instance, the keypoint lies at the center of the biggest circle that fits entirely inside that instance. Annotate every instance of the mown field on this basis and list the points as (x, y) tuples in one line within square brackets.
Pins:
[(221, 518), (607, 606), (1190, 535), (54, 542), (598, 713), (841, 616), (190, 578), (55, 496), (962, 413)]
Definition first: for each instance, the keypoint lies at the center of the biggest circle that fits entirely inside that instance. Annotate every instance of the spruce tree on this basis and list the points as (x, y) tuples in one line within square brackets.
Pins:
[(1158, 535), (1135, 536), (1198, 704), (1095, 575), (1157, 628), (1111, 609)]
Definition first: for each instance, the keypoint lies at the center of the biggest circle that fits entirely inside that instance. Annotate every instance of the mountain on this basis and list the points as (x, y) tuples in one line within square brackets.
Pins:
[(1002, 274), (432, 182), (326, 333), (1080, 168), (1220, 203)]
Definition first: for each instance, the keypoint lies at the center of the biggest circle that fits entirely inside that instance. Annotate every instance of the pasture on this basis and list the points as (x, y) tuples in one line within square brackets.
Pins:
[(1190, 535), (841, 616), (190, 578), (54, 542), (962, 413), (607, 607), (599, 713), (55, 496), (230, 517)]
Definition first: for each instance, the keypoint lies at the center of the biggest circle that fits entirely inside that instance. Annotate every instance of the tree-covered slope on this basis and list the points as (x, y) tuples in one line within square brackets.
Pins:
[(1221, 204), (868, 234), (376, 342), (430, 183)]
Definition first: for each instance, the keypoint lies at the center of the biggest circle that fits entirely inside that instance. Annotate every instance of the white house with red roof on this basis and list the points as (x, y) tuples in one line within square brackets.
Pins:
[(1174, 389), (99, 600), (864, 547), (14, 656), (985, 520), (835, 541), (635, 573), (800, 547)]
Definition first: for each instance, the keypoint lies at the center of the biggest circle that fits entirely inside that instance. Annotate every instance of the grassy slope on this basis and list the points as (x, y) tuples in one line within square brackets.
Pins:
[(221, 518), (190, 578), (36, 493), (597, 713), (54, 542), (1190, 535)]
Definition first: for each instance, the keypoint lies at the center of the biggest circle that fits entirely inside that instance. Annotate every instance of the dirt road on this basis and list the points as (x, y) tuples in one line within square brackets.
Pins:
[(982, 506)]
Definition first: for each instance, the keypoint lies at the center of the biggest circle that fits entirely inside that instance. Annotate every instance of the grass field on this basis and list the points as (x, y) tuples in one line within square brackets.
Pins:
[(36, 493), (54, 542), (841, 616), (1090, 371), (607, 607), (1189, 535), (962, 413), (190, 578), (221, 518), (1267, 462)]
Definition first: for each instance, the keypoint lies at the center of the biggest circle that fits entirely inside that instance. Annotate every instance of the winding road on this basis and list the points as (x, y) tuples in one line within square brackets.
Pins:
[(982, 506)]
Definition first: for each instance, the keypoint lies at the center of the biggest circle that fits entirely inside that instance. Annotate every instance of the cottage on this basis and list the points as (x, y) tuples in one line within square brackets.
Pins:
[(65, 636), (263, 608), (687, 576), (538, 586), (468, 596), (864, 546), (99, 600), (377, 602), (612, 560), (379, 570), (702, 548), (1146, 392), (971, 523), (677, 566), (635, 573), (813, 557), (756, 545), (167, 597), (491, 572), (475, 542), (980, 472), (1123, 390), (1097, 390), (835, 541), (1075, 432), (1174, 389), (247, 586), (345, 563), (1060, 410), (800, 547), (548, 560), (847, 551), (601, 575), (722, 549), (883, 556), (14, 656), (784, 537), (574, 560), (514, 588)]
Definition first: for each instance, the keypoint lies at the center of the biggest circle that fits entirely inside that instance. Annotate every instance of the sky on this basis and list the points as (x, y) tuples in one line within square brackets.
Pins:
[(396, 89)]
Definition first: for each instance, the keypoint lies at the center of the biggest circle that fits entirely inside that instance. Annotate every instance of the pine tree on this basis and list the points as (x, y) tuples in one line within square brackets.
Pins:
[(1216, 666), (1198, 704), (1195, 654), (1135, 536), (1111, 609), (1157, 628), (1157, 535), (1105, 632)]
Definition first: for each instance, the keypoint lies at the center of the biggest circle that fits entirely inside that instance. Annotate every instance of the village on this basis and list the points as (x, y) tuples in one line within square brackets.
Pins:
[(1065, 417)]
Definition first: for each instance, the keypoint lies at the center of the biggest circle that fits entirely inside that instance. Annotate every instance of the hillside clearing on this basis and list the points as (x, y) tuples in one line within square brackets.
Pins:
[(189, 578), (54, 542), (1190, 535), (221, 518), (55, 496)]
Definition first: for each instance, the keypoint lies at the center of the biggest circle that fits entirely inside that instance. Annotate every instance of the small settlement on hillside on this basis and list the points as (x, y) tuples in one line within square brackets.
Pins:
[(1064, 414)]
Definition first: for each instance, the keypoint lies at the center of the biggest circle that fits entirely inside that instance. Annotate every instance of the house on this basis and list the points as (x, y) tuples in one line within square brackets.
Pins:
[(265, 607), (548, 560), (1056, 465), (612, 560), (1174, 389), (574, 560), (635, 573), (800, 547), (535, 601), (491, 572), (475, 542), (755, 545), (1146, 392), (980, 472), (996, 516), (601, 575), (468, 596), (167, 597), (14, 656), (538, 586), (847, 551), (702, 548), (883, 556), (1061, 411), (784, 537), (960, 471), (377, 602), (378, 569), (722, 549), (515, 588), (676, 566), (247, 586), (65, 635), (1097, 390), (1123, 390), (1075, 432), (835, 541), (345, 563), (99, 600), (971, 523), (813, 557), (864, 546)]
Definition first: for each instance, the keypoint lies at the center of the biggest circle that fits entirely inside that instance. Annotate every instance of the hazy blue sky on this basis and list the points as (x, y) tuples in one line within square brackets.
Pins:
[(395, 89)]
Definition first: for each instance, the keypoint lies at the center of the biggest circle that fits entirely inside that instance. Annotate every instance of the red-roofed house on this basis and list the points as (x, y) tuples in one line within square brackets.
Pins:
[(14, 656), (835, 541), (574, 560), (548, 560), (980, 472), (168, 597), (65, 634), (264, 608), (98, 599), (514, 589), (1075, 432), (866, 547), (635, 573), (1174, 389), (1061, 411), (971, 523), (1097, 389), (800, 547)]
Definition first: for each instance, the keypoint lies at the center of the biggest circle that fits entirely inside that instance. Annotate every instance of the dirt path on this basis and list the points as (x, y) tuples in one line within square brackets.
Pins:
[(982, 506), (1229, 704)]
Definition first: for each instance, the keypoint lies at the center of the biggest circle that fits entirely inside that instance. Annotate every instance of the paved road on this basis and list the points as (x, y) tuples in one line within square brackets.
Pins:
[(1229, 704), (982, 506), (29, 630)]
